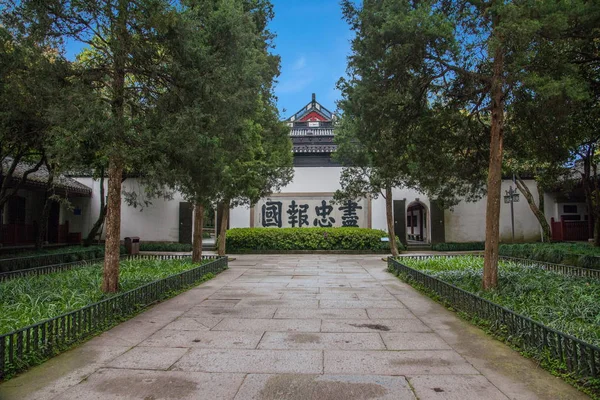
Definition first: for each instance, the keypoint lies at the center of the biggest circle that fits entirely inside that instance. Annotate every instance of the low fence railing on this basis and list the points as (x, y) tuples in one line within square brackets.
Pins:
[(578, 356), (548, 266), (20, 348), (36, 261)]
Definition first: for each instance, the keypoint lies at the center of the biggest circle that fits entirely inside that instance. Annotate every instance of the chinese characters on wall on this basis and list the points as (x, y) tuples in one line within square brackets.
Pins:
[(301, 212)]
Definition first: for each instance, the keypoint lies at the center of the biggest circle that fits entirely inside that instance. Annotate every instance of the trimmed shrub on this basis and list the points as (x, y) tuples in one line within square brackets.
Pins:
[(156, 246), (69, 254), (244, 240), (468, 246), (577, 254)]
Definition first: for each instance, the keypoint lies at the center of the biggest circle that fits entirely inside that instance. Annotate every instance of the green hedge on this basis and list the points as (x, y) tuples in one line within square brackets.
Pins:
[(580, 255), (468, 246), (244, 240), (147, 246), (33, 261)]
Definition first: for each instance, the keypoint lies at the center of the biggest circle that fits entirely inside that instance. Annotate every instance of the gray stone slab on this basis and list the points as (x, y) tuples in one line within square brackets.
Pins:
[(268, 325), (310, 303), (374, 325), (389, 313), (321, 341), (252, 361), (160, 358), (396, 363), (455, 387), (202, 339), (114, 384), (359, 304), (413, 341), (220, 303), (193, 324), (323, 387), (320, 313), (242, 312)]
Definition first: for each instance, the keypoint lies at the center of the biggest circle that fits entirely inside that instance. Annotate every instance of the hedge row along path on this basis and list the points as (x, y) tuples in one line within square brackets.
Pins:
[(293, 327)]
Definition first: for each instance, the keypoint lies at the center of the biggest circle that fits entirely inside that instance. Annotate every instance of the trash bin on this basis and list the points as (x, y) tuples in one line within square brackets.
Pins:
[(132, 245)]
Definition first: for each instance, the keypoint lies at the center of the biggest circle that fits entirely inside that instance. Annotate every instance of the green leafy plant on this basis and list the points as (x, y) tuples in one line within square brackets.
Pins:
[(577, 254), (468, 246), (242, 240), (147, 246)]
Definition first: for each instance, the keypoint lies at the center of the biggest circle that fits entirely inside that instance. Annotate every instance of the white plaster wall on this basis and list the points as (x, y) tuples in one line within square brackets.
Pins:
[(157, 222), (466, 221), (239, 217)]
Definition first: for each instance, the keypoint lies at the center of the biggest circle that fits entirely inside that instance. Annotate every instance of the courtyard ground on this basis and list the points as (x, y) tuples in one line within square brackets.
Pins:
[(293, 327)]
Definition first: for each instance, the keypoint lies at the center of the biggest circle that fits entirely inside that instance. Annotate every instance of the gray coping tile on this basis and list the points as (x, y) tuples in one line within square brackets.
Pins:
[(117, 384), (413, 341), (203, 339), (320, 313), (241, 312), (252, 361), (389, 313), (309, 303), (160, 358), (373, 325), (422, 362), (323, 387), (321, 341), (455, 387), (268, 325), (360, 304)]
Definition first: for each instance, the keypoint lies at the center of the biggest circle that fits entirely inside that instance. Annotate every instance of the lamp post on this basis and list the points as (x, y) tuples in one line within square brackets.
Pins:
[(512, 196)]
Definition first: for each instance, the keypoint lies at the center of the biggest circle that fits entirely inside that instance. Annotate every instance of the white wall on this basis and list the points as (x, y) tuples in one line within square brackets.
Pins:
[(157, 222)]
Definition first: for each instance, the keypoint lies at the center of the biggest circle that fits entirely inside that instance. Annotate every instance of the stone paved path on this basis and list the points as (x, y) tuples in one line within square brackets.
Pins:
[(293, 327)]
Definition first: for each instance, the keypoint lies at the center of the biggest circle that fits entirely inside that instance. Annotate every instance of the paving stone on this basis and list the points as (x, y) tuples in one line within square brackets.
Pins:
[(413, 341), (323, 341), (252, 361), (242, 312), (193, 324), (455, 387), (323, 387), (279, 303), (373, 325), (268, 325), (389, 313), (209, 339), (160, 358), (396, 363), (220, 303), (359, 304), (116, 384), (320, 313)]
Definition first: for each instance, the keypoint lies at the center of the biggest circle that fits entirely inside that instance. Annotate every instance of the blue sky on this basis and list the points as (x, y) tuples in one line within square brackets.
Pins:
[(313, 42)]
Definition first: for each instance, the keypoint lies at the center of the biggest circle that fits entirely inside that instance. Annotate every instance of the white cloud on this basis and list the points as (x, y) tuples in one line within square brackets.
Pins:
[(299, 64), (293, 85)]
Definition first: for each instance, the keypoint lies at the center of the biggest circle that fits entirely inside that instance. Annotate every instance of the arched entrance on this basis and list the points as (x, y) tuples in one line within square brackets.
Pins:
[(417, 223)]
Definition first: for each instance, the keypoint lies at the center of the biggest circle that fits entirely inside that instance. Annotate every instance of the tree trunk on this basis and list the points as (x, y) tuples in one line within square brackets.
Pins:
[(223, 230), (539, 214), (43, 225), (198, 225), (112, 252), (390, 221), (494, 184), (98, 224)]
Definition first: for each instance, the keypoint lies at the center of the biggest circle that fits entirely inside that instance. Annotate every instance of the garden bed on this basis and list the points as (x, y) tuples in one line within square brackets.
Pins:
[(42, 315), (552, 316), (50, 257), (581, 255), (290, 240)]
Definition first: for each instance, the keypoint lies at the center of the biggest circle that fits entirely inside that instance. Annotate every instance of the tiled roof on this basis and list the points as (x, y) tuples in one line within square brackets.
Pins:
[(311, 132), (40, 178), (314, 148)]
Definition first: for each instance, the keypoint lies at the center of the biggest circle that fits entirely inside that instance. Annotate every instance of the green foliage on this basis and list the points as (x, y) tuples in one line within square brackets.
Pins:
[(155, 246), (288, 239), (565, 303), (468, 246), (577, 254), (25, 301), (50, 257)]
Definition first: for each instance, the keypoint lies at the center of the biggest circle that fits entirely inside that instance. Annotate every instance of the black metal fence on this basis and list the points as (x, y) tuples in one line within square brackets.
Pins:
[(35, 261), (559, 268), (576, 355), (22, 348)]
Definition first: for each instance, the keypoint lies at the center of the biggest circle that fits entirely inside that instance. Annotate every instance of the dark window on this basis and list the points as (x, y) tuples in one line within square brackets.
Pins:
[(408, 221), (571, 217), (570, 209), (16, 210)]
